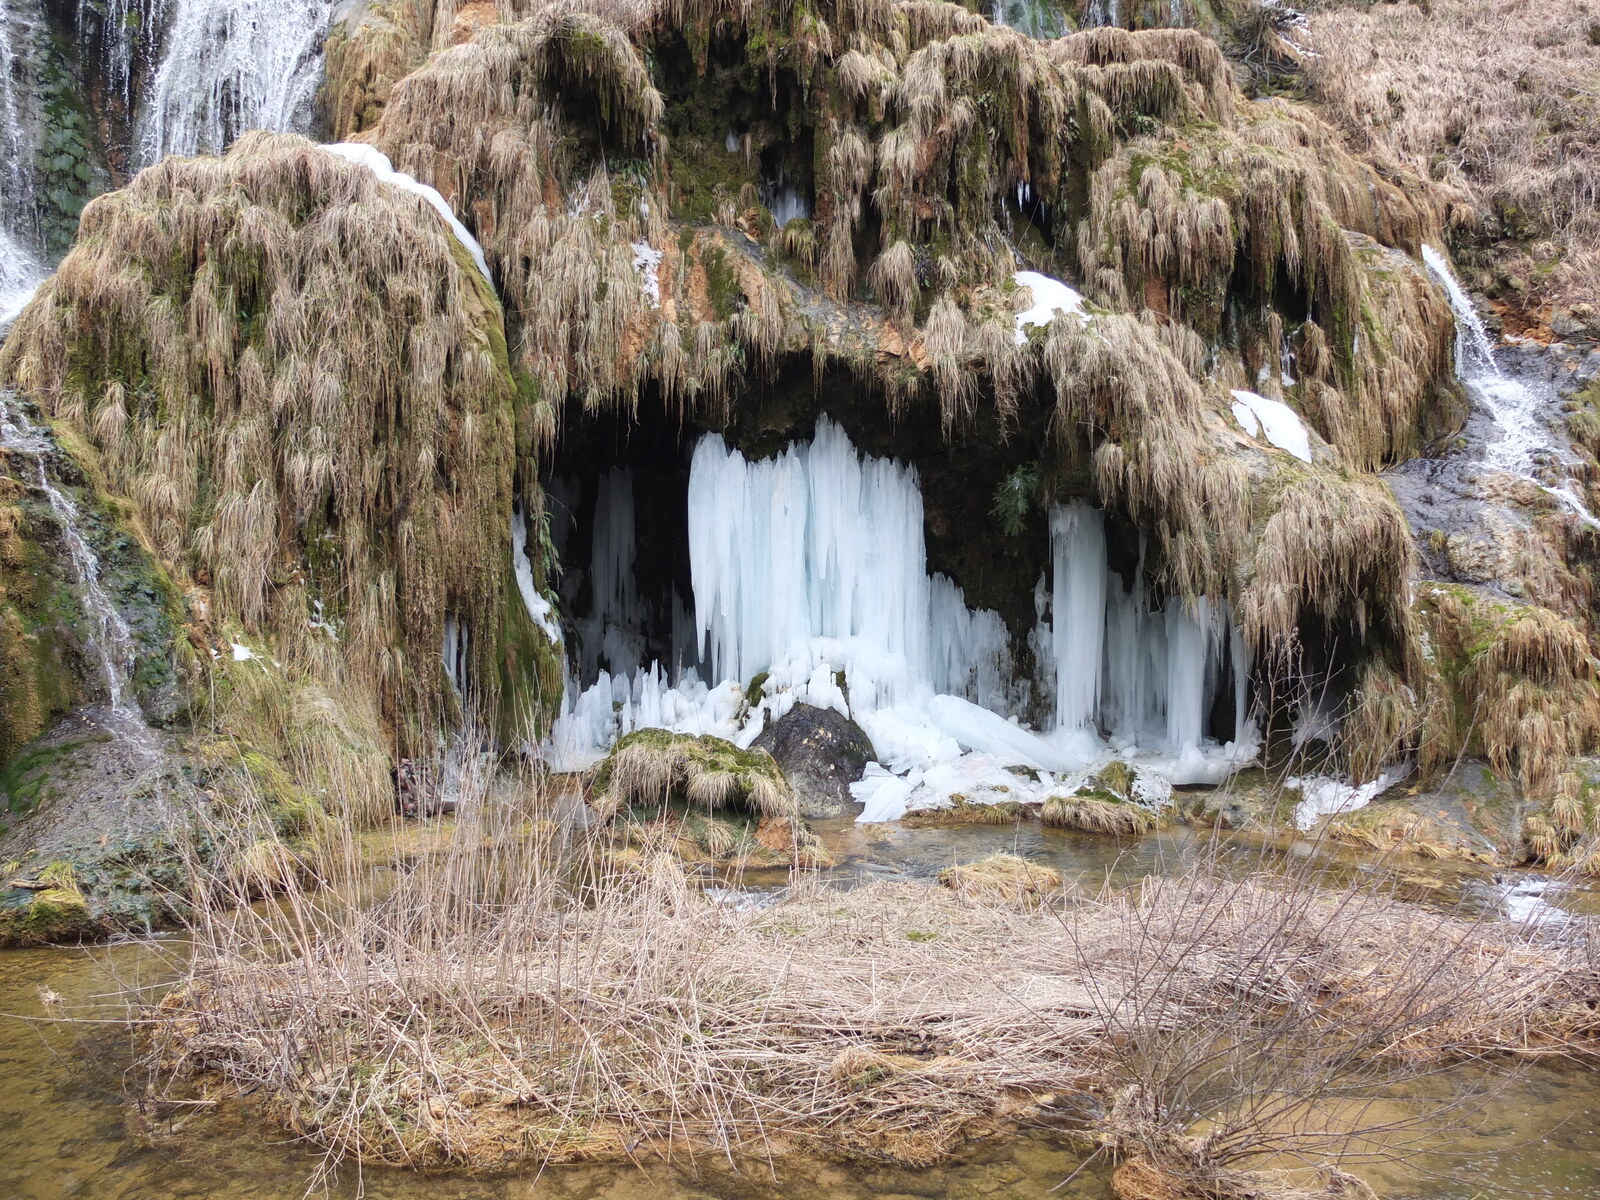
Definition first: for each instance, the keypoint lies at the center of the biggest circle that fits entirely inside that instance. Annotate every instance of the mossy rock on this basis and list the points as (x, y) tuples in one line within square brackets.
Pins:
[(654, 768), (1094, 810), (44, 917)]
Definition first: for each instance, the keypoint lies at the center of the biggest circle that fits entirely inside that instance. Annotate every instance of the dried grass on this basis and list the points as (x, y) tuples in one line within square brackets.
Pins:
[(1093, 814), (651, 767), (300, 379), (1497, 102), (1002, 878), (502, 1002)]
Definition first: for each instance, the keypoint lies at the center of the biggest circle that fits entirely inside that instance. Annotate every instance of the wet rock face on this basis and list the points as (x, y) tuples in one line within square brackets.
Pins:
[(821, 753)]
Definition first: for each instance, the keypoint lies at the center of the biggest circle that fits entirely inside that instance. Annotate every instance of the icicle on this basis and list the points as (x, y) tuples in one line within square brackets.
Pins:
[(1188, 629), (454, 652), (1078, 619)]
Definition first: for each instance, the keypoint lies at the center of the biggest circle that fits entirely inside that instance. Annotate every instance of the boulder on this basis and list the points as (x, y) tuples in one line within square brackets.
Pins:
[(821, 753)]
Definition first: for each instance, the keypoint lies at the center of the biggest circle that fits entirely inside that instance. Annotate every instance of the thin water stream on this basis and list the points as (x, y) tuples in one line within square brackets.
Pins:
[(112, 644), (1525, 444)]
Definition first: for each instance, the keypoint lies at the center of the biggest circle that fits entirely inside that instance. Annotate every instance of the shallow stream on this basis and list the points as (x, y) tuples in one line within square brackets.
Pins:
[(67, 1128)]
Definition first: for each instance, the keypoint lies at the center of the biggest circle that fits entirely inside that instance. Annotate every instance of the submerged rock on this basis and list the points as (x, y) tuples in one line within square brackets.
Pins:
[(821, 753)]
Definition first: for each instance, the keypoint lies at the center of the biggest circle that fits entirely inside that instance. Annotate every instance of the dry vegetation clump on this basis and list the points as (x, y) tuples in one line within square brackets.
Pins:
[(1099, 812), (496, 1006), (1002, 878), (1516, 684), (1497, 103), (651, 768), (299, 379), (1523, 689), (943, 149)]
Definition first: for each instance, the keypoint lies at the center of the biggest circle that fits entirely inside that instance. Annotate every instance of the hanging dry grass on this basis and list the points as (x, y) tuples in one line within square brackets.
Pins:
[(929, 125), (1520, 688), (1336, 548), (299, 378)]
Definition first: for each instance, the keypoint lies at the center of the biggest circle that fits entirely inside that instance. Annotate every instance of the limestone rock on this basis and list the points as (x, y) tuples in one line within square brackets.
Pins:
[(822, 753)]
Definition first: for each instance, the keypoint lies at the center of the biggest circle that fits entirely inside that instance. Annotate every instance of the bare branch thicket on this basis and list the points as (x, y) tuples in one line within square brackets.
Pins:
[(502, 999)]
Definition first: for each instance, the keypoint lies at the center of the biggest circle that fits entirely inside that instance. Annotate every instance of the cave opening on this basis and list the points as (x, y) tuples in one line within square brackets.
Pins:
[(653, 514), (617, 499)]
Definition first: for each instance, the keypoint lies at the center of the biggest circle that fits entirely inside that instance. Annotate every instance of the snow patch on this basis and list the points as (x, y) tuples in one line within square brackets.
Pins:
[(1282, 424), (647, 261), (540, 610), (378, 163), (1050, 296), (1322, 795)]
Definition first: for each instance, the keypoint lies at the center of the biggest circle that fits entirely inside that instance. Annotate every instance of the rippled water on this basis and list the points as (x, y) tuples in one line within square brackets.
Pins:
[(67, 1128)]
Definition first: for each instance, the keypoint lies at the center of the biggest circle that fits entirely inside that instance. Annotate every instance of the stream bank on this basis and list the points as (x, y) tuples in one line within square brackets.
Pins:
[(72, 1128)]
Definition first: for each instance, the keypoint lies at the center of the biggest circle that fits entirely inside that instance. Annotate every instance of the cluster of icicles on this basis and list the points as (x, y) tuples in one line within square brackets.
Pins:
[(810, 569)]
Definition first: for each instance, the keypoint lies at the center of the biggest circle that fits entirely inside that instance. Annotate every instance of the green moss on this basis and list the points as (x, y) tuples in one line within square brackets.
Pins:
[(25, 781), (1116, 777), (652, 767), (1583, 419), (39, 918), (722, 282), (530, 670)]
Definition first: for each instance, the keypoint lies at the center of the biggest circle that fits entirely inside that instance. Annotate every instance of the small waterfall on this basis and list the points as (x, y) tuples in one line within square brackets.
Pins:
[(112, 644), (20, 275), (1527, 445), (128, 33), (20, 270), (1042, 19), (229, 66), (1474, 348)]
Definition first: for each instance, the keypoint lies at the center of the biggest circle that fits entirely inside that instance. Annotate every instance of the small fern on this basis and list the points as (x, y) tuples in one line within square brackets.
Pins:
[(1013, 498)]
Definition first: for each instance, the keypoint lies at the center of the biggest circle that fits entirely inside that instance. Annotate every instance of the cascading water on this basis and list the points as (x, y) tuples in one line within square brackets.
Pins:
[(112, 643), (810, 570), (1041, 19), (192, 75), (20, 270), (128, 33), (229, 66), (1527, 446)]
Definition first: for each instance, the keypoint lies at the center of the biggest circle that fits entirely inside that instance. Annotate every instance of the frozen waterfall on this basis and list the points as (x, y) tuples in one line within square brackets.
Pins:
[(811, 585), (1146, 680)]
